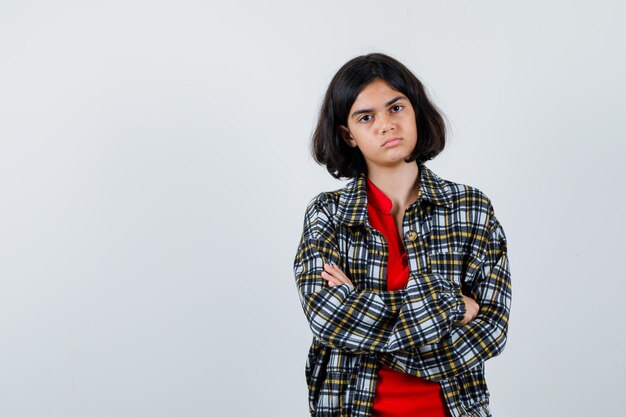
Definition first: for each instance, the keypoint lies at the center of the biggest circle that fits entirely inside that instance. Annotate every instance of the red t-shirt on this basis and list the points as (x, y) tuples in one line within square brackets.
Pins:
[(399, 394)]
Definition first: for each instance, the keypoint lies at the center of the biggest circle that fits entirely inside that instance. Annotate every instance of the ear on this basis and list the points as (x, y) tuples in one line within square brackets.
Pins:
[(347, 136)]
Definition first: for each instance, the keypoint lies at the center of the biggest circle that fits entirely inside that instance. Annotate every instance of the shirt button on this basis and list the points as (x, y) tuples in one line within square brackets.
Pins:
[(411, 235)]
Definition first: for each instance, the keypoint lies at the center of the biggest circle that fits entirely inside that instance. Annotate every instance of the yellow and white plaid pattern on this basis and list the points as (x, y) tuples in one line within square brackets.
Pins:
[(455, 245)]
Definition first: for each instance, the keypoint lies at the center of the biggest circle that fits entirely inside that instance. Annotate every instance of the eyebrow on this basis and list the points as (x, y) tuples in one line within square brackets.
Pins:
[(390, 102)]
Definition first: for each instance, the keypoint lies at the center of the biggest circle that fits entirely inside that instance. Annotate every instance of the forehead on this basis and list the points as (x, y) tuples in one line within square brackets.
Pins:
[(376, 93)]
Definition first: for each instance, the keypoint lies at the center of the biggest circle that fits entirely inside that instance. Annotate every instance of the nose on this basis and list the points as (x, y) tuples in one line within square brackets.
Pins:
[(386, 123)]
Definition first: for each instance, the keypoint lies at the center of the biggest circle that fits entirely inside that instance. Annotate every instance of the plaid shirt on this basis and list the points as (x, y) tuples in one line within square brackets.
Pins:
[(455, 245)]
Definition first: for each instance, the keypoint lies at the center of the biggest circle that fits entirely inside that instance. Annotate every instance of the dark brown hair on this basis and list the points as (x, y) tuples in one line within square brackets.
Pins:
[(328, 147)]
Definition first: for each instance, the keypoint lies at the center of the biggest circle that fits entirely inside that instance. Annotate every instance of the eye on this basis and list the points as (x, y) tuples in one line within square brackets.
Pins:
[(398, 105), (367, 115)]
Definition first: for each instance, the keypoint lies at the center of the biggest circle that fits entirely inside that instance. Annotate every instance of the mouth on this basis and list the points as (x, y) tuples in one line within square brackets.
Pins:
[(391, 141)]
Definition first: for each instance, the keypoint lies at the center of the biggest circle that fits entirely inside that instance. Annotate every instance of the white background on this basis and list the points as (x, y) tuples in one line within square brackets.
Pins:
[(154, 172)]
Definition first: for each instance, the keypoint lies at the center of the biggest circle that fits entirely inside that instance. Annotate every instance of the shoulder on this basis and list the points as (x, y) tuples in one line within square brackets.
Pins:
[(319, 216), (467, 195), (327, 201), (467, 203), (472, 205), (452, 195), (459, 195)]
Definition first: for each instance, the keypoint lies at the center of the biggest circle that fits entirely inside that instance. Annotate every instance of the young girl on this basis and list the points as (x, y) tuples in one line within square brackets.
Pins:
[(403, 275)]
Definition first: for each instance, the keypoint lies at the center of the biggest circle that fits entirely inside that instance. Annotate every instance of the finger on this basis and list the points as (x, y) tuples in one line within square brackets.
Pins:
[(338, 270), (327, 276), (335, 266), (333, 272), (343, 276), (338, 273), (332, 281)]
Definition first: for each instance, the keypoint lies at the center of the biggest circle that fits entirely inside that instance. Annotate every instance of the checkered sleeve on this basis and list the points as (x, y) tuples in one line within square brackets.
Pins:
[(360, 321), (483, 337)]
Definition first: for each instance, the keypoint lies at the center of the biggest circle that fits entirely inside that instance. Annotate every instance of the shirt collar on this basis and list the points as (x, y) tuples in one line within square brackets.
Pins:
[(352, 206), (377, 198)]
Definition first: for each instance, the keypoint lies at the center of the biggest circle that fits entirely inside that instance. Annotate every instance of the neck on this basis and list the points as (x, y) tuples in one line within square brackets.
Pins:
[(400, 184)]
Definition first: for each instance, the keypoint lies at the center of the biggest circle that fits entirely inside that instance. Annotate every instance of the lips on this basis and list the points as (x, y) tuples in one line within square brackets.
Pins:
[(394, 139)]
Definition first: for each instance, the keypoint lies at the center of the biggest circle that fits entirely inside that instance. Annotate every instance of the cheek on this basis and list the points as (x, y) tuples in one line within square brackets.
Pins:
[(412, 126), (406, 118)]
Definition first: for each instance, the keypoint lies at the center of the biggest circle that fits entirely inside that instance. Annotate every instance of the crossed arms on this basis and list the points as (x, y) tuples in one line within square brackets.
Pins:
[(415, 330)]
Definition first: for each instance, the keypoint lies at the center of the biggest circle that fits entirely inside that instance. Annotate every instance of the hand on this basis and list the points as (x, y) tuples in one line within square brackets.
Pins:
[(334, 275), (471, 310)]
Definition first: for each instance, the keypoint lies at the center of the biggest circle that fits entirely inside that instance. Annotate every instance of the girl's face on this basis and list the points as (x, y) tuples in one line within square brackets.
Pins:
[(381, 123)]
